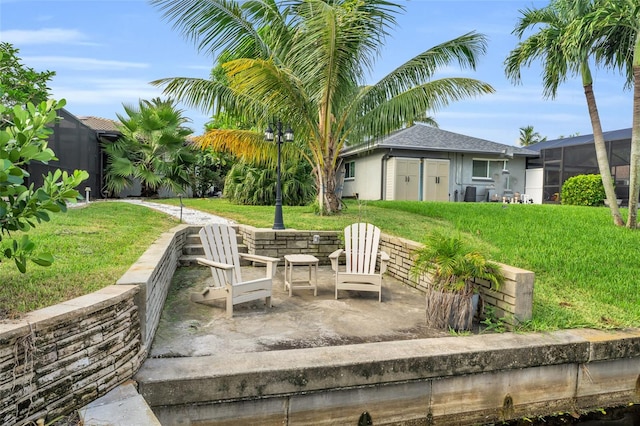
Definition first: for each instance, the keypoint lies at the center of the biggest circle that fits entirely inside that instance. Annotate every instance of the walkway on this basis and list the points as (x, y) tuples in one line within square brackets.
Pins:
[(188, 216)]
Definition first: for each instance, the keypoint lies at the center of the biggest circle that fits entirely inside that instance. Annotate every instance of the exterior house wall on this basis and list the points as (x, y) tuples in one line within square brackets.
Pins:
[(375, 175), (498, 183), (368, 178)]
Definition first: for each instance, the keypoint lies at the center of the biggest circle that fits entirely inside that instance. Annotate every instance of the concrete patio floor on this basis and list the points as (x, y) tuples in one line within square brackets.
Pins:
[(189, 329)]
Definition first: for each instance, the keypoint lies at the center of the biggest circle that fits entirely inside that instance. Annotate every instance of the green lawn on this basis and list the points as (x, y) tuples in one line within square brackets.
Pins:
[(92, 246), (587, 272)]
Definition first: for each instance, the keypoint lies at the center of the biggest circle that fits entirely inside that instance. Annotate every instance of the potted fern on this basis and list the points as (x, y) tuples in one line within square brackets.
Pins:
[(450, 269)]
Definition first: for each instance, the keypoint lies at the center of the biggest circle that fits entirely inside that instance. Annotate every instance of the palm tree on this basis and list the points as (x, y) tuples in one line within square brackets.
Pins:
[(554, 45), (306, 61), (528, 136), (614, 28), (152, 149)]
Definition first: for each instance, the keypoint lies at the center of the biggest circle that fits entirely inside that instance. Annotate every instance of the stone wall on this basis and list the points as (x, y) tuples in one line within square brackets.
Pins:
[(152, 273), (513, 302), (59, 358), (268, 242)]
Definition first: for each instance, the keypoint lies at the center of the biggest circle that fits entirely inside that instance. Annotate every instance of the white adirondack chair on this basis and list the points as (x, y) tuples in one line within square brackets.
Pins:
[(361, 251), (222, 256)]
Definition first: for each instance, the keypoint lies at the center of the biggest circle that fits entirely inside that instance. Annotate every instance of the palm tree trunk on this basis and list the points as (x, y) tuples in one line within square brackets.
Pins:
[(601, 155), (634, 162), (328, 201)]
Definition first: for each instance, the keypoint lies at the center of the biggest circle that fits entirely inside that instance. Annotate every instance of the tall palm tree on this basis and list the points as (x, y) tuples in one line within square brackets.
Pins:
[(561, 56), (614, 28), (528, 136), (152, 149), (306, 62)]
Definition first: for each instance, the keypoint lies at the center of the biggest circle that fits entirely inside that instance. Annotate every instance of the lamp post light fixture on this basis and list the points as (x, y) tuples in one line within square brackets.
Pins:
[(269, 135)]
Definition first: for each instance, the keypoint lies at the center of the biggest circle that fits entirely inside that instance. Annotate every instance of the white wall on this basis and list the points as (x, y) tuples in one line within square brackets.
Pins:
[(367, 180)]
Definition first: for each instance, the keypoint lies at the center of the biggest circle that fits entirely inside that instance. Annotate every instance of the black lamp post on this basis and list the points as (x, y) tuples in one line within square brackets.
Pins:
[(269, 135)]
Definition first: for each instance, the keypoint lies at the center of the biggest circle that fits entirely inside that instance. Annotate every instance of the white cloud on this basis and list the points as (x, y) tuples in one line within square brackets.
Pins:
[(81, 64), (43, 36), (105, 91)]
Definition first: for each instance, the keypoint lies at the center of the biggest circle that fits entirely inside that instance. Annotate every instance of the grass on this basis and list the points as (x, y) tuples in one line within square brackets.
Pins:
[(92, 246), (586, 269)]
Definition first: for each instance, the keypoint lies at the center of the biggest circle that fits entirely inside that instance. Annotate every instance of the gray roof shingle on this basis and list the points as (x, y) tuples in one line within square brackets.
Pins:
[(426, 138)]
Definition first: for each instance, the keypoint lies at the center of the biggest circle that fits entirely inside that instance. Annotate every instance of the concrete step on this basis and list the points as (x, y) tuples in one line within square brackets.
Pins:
[(193, 249), (122, 406)]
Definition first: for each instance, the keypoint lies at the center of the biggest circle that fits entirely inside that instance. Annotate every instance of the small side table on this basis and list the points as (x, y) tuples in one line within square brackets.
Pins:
[(291, 260)]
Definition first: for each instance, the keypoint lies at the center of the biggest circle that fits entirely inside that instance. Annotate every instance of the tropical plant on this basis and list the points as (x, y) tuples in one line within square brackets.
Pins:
[(528, 136), (23, 142), (451, 268), (583, 190), (256, 185), (207, 173), (555, 44), (306, 63), (20, 84), (153, 149), (613, 27)]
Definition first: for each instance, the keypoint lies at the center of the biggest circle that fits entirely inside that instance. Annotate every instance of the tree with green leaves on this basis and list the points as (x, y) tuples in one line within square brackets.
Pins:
[(554, 44), (22, 207), (207, 172), (528, 136), (305, 62), (153, 149), (20, 84)]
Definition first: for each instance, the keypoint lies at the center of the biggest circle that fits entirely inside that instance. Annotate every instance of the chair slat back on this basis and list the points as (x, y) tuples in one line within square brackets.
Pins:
[(361, 246), (221, 245)]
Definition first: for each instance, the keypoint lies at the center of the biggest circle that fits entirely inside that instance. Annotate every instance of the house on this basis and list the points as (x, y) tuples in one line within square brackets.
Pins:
[(425, 163), (563, 158), (76, 141)]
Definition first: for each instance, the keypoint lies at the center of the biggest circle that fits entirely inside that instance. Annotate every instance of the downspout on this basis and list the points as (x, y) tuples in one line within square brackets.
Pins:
[(383, 172)]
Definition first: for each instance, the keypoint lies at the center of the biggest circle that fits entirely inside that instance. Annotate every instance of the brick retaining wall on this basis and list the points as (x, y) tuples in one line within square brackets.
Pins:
[(513, 302), (268, 242)]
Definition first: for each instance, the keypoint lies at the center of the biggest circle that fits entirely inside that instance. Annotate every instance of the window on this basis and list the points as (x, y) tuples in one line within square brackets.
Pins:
[(350, 170), (480, 169)]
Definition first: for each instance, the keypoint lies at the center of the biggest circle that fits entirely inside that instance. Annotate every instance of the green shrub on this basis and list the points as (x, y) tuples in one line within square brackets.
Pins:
[(583, 190), (256, 185)]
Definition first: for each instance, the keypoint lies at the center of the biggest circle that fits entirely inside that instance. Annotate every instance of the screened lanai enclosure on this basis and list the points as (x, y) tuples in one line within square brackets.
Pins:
[(563, 158), (77, 147)]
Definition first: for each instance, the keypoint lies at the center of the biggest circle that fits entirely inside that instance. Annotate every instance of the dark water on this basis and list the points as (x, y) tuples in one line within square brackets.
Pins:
[(617, 416)]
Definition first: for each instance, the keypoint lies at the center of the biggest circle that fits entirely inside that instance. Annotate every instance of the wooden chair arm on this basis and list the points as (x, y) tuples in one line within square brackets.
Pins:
[(212, 264), (384, 259), (334, 257), (270, 262), (259, 258)]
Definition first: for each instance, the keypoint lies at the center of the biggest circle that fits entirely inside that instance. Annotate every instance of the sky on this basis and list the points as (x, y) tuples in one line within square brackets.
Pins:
[(105, 54)]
